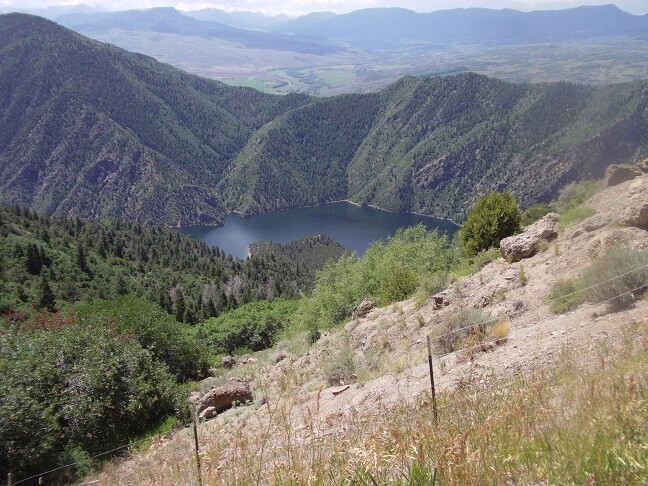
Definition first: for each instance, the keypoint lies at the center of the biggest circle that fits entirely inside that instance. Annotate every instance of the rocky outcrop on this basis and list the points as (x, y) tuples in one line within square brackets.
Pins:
[(636, 216), (228, 362), (618, 173), (643, 165), (222, 397), (515, 248), (364, 308)]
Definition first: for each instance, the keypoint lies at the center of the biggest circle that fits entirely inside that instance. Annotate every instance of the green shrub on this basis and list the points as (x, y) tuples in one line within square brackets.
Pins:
[(494, 216), (397, 284), (534, 213), (388, 272), (169, 341), (575, 194), (252, 327), (460, 325), (69, 390), (575, 215), (565, 296), (615, 275)]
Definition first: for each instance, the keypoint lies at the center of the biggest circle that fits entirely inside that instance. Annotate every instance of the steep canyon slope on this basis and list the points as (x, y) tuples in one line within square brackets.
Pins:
[(93, 131)]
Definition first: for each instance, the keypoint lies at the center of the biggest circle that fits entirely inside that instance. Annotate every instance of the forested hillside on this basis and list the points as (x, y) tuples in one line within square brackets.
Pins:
[(311, 253), (433, 145), (53, 263), (90, 130)]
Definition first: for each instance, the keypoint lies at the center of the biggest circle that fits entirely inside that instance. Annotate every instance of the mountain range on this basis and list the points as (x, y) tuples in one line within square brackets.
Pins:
[(326, 54), (387, 27), (91, 130), (383, 28)]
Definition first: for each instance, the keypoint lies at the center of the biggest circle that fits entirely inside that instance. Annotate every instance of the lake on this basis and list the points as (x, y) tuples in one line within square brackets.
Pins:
[(353, 226)]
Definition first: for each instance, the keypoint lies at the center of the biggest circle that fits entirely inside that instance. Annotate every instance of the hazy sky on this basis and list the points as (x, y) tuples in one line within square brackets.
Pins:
[(300, 7)]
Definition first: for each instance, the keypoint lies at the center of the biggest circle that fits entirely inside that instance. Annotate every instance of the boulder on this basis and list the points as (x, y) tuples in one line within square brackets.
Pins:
[(618, 173), (515, 248), (636, 216), (228, 362), (643, 165), (194, 398), (222, 397), (364, 308), (596, 222)]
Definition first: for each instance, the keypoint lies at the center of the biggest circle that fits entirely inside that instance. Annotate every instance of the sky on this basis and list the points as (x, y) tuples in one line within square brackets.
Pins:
[(301, 7)]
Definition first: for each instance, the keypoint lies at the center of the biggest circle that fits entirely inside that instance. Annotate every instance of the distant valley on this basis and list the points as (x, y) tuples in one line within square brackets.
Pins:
[(327, 54), (93, 131)]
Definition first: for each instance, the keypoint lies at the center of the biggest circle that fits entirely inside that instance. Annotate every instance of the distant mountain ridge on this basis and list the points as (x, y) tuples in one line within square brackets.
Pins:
[(381, 27), (374, 27), (169, 21), (93, 131)]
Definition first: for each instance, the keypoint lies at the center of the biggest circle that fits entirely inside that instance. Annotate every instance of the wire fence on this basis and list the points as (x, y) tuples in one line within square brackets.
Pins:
[(560, 297), (489, 390)]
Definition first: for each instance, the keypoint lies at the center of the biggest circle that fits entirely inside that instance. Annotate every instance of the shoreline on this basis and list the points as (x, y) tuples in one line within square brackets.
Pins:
[(393, 212), (373, 206)]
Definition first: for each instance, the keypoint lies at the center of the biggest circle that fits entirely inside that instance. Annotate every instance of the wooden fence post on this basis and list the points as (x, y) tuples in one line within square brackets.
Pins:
[(9, 479), (195, 434), (434, 402)]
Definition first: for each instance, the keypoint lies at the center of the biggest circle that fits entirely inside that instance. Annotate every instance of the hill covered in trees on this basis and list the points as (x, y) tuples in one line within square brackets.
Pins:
[(93, 131), (54, 263)]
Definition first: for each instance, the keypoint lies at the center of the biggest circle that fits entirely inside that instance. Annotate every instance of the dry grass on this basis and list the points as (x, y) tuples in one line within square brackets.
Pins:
[(500, 329), (560, 427)]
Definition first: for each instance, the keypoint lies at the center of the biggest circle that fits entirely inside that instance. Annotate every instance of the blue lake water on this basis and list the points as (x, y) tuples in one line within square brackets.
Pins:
[(353, 226)]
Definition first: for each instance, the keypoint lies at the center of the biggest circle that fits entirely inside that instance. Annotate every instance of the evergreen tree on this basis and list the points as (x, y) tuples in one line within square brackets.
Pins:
[(494, 216), (33, 262), (46, 299), (82, 261), (180, 305), (121, 286)]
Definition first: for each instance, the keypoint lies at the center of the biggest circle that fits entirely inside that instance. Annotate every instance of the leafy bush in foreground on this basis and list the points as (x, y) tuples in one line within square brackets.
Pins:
[(69, 391)]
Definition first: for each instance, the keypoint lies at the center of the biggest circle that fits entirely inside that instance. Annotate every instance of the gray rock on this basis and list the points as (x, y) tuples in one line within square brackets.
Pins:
[(515, 248), (194, 397), (228, 362), (636, 216), (643, 165), (208, 413), (596, 222), (364, 308)]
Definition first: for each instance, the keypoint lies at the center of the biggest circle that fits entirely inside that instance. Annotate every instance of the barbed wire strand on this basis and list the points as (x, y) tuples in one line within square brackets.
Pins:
[(489, 321), (130, 444)]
